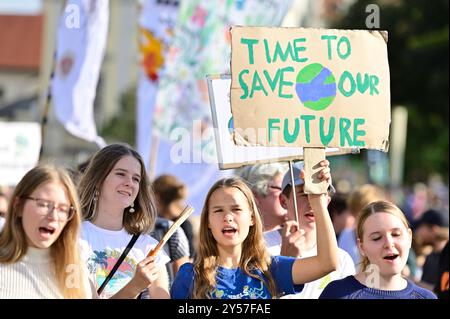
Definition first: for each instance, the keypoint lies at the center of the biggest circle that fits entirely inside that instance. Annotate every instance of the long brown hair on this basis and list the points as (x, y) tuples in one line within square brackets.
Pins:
[(254, 253), (371, 209), (65, 250), (143, 218)]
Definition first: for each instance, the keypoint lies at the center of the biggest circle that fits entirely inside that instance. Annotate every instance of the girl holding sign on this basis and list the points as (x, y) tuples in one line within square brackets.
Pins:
[(232, 258), (384, 241)]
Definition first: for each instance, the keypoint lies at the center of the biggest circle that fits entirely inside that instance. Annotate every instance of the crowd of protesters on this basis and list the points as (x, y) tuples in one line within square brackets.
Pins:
[(101, 220)]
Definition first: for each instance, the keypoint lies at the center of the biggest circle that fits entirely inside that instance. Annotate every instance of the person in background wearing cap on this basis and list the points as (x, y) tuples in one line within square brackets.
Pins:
[(300, 239), (431, 229)]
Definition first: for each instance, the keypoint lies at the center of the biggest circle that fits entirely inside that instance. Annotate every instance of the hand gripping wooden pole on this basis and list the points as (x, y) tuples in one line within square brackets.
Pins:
[(312, 157), (187, 211)]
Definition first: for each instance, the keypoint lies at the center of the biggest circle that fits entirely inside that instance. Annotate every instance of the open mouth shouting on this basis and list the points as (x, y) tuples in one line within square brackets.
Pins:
[(391, 257), (46, 231), (229, 231)]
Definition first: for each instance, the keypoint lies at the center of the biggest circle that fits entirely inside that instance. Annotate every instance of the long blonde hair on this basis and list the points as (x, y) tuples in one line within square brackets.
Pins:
[(65, 250), (254, 253), (371, 209), (143, 218)]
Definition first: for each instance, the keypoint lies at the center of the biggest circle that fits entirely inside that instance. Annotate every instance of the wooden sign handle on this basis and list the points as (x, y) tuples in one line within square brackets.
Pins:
[(313, 183)]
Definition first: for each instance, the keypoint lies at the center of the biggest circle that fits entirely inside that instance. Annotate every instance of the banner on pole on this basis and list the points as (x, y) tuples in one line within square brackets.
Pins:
[(81, 44)]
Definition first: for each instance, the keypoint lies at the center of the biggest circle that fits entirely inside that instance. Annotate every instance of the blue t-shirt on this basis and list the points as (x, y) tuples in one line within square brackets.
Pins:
[(350, 288), (236, 284)]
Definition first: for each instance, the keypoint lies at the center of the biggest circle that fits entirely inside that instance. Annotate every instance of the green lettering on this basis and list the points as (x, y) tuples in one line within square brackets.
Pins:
[(243, 85), (257, 85), (326, 138), (362, 86), (283, 55), (328, 38), (307, 118), (344, 76), (285, 83), (272, 127), (349, 48), (344, 125), (298, 48), (266, 50), (357, 133), (272, 83), (290, 138), (249, 43), (374, 80)]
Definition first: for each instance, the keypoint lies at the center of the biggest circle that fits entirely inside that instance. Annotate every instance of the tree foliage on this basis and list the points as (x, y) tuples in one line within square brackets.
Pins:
[(122, 127), (418, 60)]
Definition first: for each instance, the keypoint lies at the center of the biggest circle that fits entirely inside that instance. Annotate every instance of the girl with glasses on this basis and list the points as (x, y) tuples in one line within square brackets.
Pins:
[(39, 250)]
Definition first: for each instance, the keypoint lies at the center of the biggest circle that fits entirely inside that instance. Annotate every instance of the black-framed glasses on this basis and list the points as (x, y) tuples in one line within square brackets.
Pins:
[(65, 212)]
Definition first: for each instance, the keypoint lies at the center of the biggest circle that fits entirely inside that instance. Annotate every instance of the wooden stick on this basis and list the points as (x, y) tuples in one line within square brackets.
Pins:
[(294, 193), (187, 211), (313, 183)]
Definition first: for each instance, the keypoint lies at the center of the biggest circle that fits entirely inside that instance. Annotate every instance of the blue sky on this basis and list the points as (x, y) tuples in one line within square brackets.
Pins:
[(20, 6)]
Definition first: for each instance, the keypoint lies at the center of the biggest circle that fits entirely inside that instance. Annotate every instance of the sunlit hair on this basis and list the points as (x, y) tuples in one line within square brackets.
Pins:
[(143, 218), (258, 177), (363, 196), (254, 254), (65, 250), (169, 189), (375, 208)]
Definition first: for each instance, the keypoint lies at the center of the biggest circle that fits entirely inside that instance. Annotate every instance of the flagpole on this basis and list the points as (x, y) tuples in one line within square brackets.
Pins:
[(48, 97)]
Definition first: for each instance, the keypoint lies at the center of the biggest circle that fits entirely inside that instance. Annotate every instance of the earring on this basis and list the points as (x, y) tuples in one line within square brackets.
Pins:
[(131, 210), (95, 200)]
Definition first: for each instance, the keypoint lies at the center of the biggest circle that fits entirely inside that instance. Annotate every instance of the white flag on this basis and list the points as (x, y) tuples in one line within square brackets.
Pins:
[(81, 43)]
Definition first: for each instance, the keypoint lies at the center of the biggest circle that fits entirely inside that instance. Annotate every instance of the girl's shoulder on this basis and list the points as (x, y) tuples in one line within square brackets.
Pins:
[(418, 292)]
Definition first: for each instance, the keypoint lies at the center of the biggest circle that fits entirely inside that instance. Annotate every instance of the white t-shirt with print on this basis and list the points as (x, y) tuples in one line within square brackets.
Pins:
[(312, 290), (101, 248)]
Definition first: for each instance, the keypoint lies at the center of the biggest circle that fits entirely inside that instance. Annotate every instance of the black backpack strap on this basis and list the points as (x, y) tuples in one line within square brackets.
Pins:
[(118, 263)]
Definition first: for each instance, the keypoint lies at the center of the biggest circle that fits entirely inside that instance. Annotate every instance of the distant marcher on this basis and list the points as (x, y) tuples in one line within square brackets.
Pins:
[(39, 250), (177, 247), (170, 195), (384, 240), (357, 200), (431, 229), (340, 214)]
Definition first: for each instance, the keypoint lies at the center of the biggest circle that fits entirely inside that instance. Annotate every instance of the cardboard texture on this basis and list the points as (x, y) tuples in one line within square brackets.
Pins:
[(230, 155), (310, 87), (313, 183)]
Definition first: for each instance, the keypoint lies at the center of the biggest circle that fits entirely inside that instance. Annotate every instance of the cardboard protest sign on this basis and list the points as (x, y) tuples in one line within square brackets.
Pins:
[(19, 150), (310, 87), (230, 155)]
